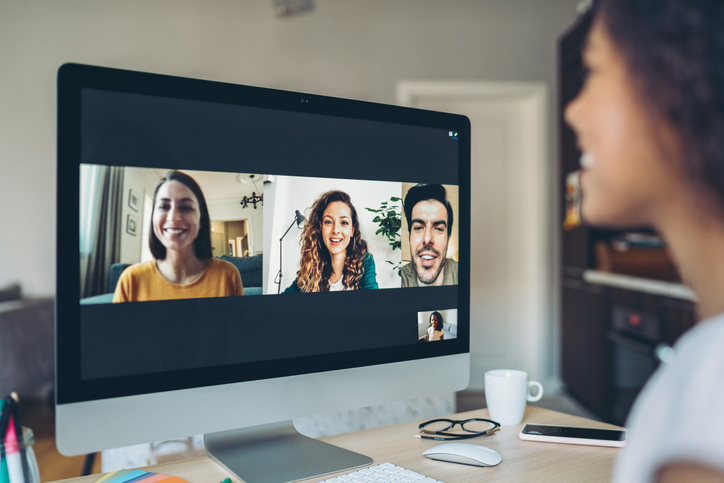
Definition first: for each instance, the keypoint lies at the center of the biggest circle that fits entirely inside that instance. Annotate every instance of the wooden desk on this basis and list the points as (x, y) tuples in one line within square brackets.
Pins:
[(523, 461)]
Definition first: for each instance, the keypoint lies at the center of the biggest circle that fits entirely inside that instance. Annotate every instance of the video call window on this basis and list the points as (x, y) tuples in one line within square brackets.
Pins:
[(131, 223), (157, 234), (436, 325), (430, 235), (338, 235)]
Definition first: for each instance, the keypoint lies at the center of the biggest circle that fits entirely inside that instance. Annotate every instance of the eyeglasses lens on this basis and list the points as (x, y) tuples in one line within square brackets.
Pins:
[(440, 426), (477, 426)]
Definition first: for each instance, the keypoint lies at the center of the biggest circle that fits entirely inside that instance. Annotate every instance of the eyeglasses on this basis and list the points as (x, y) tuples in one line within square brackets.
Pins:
[(444, 429)]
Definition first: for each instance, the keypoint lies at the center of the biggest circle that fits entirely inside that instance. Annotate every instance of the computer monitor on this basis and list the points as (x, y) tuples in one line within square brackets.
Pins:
[(290, 281)]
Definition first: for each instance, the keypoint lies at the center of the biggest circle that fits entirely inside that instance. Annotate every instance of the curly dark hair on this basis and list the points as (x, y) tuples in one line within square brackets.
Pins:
[(675, 51), (315, 267), (438, 320)]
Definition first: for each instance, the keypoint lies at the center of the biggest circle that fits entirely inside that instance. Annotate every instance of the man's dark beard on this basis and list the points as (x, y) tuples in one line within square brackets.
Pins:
[(429, 248)]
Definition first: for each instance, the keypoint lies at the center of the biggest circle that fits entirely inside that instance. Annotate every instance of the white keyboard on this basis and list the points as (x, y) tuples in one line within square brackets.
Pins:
[(382, 473)]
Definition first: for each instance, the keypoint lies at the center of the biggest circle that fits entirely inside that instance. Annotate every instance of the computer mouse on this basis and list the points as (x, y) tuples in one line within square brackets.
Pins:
[(464, 453)]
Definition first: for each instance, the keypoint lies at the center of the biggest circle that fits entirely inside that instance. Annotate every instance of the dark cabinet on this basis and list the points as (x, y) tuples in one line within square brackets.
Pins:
[(584, 351)]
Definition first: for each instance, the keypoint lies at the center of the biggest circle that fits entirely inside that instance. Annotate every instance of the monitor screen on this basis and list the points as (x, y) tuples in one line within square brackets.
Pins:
[(215, 236)]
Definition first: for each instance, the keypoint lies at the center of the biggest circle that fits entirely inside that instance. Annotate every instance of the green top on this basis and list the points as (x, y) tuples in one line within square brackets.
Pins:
[(368, 280)]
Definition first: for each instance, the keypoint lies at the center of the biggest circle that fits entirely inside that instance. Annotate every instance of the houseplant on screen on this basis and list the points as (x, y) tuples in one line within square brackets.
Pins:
[(389, 219)]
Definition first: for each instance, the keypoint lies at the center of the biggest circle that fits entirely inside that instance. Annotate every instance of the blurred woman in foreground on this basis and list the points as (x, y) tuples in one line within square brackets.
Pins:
[(650, 122)]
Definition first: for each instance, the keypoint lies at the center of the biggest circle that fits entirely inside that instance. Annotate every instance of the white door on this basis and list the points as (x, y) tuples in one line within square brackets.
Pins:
[(511, 326)]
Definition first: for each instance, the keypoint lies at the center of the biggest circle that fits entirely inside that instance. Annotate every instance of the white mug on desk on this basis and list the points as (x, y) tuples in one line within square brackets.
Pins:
[(506, 394)]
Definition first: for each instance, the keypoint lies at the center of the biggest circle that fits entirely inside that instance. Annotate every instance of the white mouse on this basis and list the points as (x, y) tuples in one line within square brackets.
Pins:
[(464, 453)]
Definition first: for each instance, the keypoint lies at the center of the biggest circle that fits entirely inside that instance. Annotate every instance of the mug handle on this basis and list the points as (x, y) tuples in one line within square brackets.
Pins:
[(540, 391)]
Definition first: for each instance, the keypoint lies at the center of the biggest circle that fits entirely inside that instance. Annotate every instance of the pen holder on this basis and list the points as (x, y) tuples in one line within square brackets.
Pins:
[(12, 468)]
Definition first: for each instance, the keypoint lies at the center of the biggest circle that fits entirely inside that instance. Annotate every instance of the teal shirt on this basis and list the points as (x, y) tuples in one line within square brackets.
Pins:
[(368, 280)]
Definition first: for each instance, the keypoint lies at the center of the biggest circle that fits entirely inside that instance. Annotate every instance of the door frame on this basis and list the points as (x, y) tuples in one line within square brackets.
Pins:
[(540, 346)]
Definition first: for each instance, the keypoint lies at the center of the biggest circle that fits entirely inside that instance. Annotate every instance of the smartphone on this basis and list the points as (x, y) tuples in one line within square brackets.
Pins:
[(574, 435)]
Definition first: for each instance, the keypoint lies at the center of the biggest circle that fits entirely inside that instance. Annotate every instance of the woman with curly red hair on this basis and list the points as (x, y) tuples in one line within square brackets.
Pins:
[(334, 255)]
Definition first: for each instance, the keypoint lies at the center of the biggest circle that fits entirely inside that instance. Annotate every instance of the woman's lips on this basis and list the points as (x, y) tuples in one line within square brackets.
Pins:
[(174, 231)]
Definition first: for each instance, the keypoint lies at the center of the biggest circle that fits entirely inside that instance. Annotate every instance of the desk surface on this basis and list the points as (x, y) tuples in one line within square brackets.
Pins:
[(522, 460)]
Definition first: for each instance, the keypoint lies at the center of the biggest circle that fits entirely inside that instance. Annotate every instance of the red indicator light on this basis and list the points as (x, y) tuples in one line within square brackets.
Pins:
[(634, 320)]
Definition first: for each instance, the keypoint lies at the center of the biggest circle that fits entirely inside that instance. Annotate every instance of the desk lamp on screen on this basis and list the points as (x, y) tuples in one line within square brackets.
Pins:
[(168, 320)]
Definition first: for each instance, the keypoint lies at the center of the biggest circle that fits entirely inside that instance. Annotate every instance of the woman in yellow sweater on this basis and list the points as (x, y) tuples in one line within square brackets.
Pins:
[(180, 242)]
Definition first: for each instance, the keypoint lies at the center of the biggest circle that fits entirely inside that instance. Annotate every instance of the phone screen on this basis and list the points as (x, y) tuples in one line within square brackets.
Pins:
[(569, 432)]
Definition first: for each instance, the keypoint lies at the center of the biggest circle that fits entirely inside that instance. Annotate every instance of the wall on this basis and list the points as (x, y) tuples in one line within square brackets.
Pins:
[(349, 48), (142, 182)]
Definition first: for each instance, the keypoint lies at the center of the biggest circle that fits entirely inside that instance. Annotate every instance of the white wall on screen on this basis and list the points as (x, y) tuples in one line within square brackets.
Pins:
[(142, 182)]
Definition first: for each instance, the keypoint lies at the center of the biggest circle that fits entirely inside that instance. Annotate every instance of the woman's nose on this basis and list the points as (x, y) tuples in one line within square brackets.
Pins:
[(570, 113), (174, 213)]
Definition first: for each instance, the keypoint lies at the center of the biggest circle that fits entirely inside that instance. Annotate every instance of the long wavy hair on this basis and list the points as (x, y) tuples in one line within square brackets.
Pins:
[(315, 267)]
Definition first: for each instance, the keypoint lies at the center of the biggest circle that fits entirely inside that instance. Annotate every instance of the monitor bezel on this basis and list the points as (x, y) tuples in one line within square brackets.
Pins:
[(72, 79)]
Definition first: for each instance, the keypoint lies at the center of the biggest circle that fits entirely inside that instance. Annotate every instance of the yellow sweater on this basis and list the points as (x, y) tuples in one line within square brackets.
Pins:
[(142, 282)]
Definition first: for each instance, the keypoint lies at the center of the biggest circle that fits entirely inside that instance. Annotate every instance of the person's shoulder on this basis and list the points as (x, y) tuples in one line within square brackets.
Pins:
[(705, 339), (224, 268), (368, 259), (293, 288), (139, 269), (408, 276), (697, 361), (222, 265)]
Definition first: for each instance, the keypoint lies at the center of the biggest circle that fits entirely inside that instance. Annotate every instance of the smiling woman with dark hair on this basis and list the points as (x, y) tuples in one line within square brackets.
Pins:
[(650, 122), (180, 242), (435, 329)]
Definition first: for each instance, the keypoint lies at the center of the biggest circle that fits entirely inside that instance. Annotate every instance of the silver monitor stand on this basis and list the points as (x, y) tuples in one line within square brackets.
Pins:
[(276, 453)]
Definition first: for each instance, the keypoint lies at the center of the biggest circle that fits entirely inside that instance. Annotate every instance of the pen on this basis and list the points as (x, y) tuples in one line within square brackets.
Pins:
[(7, 409), (4, 477), (12, 455), (19, 436)]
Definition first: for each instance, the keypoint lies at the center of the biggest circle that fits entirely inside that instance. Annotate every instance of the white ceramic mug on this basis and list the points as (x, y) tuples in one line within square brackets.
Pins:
[(506, 393)]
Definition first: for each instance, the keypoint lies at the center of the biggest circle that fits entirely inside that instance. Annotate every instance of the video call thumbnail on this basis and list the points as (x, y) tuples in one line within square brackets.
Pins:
[(435, 325)]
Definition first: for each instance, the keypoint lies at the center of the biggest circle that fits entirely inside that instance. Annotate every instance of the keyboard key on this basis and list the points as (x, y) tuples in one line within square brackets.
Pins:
[(382, 473)]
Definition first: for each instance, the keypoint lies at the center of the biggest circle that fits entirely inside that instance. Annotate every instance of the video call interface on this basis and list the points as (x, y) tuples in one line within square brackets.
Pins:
[(215, 234)]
